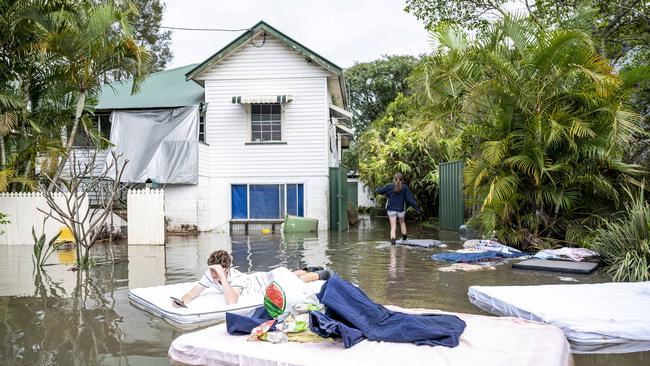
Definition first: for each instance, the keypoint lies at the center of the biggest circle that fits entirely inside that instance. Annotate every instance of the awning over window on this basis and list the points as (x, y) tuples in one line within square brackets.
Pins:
[(261, 99), (340, 113)]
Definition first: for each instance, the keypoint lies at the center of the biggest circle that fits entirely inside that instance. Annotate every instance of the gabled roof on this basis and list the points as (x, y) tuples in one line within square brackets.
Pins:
[(163, 89), (248, 35)]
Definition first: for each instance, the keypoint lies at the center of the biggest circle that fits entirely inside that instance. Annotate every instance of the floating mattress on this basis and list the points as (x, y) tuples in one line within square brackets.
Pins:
[(557, 266), (486, 341), (597, 318), (424, 243), (209, 307)]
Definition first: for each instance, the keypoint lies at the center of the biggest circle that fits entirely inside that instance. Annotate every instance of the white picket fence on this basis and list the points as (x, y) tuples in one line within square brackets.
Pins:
[(146, 216), (23, 214)]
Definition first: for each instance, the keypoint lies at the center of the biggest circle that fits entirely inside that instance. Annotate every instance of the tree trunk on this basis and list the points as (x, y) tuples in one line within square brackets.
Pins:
[(68, 146), (3, 156)]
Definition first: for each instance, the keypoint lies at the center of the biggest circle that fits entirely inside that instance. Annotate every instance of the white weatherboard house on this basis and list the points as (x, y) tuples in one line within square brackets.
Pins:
[(256, 145)]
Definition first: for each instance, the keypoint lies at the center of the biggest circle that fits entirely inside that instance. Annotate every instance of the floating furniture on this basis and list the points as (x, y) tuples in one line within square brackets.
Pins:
[(596, 318), (486, 341), (297, 224), (557, 266)]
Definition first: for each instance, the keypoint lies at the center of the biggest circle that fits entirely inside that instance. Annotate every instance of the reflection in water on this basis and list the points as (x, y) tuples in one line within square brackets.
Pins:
[(67, 255), (84, 318)]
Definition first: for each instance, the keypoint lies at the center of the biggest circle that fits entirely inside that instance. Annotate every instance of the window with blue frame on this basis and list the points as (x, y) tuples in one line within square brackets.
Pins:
[(267, 201)]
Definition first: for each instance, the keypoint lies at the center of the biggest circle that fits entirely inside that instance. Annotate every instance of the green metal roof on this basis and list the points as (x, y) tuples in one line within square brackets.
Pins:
[(257, 28), (163, 89)]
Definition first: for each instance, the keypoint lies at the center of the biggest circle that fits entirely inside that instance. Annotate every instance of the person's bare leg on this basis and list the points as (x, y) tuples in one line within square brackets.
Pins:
[(309, 277), (393, 226), (402, 225)]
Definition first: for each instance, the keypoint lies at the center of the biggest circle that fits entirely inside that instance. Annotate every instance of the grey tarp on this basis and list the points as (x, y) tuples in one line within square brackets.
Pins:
[(161, 144)]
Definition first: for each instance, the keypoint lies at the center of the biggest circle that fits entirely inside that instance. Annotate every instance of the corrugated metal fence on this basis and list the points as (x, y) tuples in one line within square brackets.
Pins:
[(452, 208), (338, 199)]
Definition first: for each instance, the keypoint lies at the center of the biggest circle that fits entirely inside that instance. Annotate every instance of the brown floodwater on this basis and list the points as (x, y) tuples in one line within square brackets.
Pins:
[(60, 317)]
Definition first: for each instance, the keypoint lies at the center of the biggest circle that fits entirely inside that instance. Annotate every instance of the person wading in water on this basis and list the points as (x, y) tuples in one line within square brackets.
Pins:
[(399, 195)]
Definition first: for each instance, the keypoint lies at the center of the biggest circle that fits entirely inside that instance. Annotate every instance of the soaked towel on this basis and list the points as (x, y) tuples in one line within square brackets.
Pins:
[(572, 254), (455, 257)]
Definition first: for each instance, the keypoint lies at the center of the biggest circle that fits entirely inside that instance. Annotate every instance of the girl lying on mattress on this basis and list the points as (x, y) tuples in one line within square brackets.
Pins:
[(233, 283)]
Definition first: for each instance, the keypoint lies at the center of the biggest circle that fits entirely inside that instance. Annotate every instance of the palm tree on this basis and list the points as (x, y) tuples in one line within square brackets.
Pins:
[(87, 44), (545, 122)]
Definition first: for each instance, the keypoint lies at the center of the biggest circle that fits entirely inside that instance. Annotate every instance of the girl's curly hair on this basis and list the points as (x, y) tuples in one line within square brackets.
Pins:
[(220, 257)]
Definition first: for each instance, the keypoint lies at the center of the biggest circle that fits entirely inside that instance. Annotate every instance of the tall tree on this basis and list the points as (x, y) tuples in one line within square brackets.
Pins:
[(87, 44), (618, 27), (546, 122), (146, 30), (373, 85)]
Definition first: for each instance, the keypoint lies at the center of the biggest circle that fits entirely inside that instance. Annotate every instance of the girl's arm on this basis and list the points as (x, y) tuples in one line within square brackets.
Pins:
[(385, 190), (410, 200), (193, 293), (230, 294)]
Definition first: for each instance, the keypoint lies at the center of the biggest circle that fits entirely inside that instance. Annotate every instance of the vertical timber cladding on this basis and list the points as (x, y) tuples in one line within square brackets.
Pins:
[(353, 194), (338, 199), (451, 212)]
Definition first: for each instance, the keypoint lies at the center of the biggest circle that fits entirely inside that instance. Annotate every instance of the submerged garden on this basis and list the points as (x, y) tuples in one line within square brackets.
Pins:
[(553, 133), (546, 106)]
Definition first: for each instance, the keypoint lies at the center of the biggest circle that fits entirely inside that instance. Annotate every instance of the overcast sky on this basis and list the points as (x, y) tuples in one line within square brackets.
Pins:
[(343, 31)]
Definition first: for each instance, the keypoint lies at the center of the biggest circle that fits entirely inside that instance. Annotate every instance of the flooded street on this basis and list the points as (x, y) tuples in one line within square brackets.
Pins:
[(85, 318)]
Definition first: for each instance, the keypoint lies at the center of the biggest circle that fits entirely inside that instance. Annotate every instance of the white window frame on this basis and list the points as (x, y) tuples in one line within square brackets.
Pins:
[(249, 124), (203, 116)]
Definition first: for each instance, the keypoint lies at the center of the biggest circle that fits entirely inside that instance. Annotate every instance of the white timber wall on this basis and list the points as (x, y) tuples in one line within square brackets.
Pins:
[(83, 157), (23, 214), (272, 69), (146, 216), (181, 203), (365, 195)]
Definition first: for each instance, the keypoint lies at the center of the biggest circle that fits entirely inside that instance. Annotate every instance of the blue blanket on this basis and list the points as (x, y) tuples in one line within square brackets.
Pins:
[(348, 307), (473, 257), (352, 316)]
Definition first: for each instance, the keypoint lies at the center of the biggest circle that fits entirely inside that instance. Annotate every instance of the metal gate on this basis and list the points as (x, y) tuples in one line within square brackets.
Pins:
[(338, 199), (451, 211)]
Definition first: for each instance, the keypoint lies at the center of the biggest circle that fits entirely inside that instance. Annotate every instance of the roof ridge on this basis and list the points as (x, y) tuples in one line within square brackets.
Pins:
[(151, 74), (283, 38)]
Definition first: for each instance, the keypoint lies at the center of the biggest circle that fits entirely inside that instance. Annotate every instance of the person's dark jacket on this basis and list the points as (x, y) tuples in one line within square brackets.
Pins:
[(397, 200)]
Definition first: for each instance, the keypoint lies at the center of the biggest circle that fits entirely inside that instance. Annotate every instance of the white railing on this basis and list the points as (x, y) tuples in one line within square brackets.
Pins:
[(146, 216)]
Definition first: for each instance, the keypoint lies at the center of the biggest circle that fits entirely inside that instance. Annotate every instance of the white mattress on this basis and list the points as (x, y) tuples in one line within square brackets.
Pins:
[(210, 306), (486, 341), (606, 317)]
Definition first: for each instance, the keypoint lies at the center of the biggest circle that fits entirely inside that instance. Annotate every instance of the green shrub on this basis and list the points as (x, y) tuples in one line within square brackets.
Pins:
[(624, 243)]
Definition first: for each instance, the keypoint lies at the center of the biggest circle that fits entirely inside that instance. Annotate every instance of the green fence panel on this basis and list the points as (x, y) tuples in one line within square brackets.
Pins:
[(343, 199), (451, 211), (338, 199)]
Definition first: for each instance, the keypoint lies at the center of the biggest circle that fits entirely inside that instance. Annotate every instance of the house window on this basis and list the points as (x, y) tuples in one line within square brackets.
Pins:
[(266, 201), (266, 122), (202, 126), (104, 121)]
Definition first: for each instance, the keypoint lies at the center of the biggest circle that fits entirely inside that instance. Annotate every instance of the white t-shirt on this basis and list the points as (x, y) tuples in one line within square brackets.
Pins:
[(249, 283)]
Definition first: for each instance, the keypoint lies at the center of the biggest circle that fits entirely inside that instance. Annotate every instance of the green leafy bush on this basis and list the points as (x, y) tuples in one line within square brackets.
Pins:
[(624, 243)]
